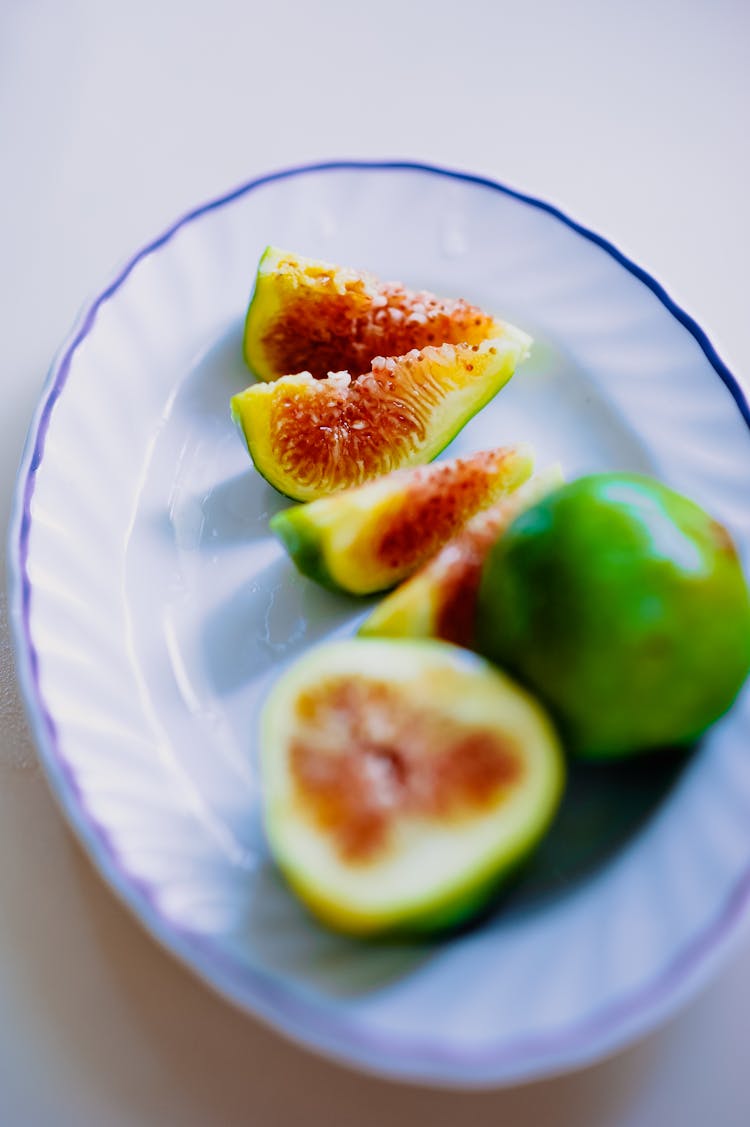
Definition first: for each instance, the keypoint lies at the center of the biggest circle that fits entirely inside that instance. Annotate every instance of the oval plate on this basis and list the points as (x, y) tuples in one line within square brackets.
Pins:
[(152, 610)]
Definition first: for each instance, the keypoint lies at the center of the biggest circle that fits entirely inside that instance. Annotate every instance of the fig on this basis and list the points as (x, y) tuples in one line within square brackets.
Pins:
[(369, 538), (310, 316), (439, 600), (310, 438), (622, 604), (402, 781)]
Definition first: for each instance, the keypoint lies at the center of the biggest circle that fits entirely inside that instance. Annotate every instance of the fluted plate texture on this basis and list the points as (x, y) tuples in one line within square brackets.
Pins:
[(152, 610)]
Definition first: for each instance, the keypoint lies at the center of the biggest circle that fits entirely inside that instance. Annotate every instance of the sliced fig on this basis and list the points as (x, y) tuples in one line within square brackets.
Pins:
[(314, 437), (402, 781), (370, 538), (311, 316), (440, 599), (310, 438)]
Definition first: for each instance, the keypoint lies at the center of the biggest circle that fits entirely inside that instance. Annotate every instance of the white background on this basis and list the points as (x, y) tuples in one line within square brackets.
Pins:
[(114, 119)]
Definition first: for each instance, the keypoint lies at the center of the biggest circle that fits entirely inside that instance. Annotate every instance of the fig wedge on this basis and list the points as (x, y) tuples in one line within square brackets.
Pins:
[(370, 538), (440, 599), (311, 316), (312, 437)]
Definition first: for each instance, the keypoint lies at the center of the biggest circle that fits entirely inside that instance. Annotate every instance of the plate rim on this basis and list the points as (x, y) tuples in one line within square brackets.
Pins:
[(619, 1022)]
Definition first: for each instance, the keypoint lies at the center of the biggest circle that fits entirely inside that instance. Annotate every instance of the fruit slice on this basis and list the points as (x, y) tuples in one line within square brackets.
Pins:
[(313, 437), (402, 781), (440, 600), (310, 316), (369, 538)]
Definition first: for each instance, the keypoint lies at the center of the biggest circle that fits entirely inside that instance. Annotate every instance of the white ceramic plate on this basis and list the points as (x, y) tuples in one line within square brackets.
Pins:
[(152, 610)]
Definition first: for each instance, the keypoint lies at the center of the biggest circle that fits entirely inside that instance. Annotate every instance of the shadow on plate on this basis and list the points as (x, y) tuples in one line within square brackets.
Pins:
[(285, 940), (604, 808), (218, 374), (277, 615), (237, 510)]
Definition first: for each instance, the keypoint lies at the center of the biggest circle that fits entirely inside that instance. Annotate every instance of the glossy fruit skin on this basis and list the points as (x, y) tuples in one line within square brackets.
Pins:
[(623, 605), (400, 893)]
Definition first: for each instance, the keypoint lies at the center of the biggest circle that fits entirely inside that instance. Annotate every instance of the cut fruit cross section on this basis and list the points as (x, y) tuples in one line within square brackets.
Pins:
[(310, 438), (312, 316), (440, 599), (403, 781), (371, 537)]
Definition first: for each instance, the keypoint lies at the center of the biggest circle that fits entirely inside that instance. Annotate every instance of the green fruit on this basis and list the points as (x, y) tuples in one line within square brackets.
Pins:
[(623, 605), (311, 316), (402, 781), (440, 599), (313, 437), (368, 539)]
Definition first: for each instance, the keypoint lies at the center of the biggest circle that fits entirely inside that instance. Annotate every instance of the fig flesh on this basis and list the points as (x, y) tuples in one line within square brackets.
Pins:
[(310, 438), (312, 316), (402, 781), (439, 600), (370, 538)]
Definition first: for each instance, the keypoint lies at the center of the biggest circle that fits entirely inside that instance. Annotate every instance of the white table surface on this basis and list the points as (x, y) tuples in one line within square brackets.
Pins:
[(115, 118)]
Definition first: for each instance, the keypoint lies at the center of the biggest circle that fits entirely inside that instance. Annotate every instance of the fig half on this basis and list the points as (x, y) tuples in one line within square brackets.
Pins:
[(312, 316), (370, 538), (402, 781)]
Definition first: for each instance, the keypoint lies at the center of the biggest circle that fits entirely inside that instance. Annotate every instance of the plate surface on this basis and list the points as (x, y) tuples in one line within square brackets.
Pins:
[(152, 610)]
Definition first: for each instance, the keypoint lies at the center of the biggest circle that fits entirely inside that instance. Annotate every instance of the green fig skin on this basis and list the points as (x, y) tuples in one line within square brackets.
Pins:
[(623, 605), (301, 538)]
